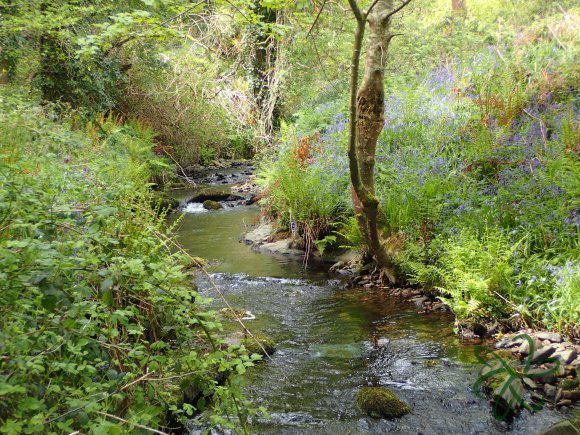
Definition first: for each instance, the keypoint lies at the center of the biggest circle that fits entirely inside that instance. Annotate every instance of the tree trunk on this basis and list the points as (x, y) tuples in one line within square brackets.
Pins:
[(4, 70), (366, 123), (263, 63), (458, 7), (6, 60)]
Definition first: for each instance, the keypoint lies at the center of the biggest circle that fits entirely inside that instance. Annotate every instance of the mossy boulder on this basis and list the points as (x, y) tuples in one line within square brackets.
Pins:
[(212, 205), (214, 193), (380, 402), (233, 313), (251, 344)]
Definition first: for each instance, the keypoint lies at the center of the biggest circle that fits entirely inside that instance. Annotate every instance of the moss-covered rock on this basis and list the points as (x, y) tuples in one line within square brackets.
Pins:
[(214, 193), (570, 384), (268, 345), (380, 402), (212, 205), (233, 313)]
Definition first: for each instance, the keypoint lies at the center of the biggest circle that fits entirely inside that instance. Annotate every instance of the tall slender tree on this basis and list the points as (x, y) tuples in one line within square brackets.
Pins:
[(366, 121)]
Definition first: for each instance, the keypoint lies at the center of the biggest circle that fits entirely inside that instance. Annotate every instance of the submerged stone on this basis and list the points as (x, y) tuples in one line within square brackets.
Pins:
[(380, 402), (260, 344), (233, 313)]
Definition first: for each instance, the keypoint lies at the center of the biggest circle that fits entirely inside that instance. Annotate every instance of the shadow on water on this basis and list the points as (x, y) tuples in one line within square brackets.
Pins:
[(325, 352)]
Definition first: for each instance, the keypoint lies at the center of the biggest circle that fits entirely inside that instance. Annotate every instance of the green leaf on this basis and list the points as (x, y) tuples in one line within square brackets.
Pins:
[(6, 389), (29, 404), (106, 284), (105, 210), (11, 427), (107, 297)]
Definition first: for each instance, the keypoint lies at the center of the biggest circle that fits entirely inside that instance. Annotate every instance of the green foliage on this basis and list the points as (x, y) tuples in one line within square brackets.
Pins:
[(312, 195), (477, 167), (42, 40), (177, 96), (472, 272), (99, 316), (122, 56), (349, 231)]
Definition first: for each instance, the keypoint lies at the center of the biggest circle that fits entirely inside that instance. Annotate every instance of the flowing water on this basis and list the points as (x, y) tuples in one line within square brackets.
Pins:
[(324, 352)]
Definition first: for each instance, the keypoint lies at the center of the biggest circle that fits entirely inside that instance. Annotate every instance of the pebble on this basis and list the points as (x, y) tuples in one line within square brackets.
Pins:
[(506, 344), (530, 383), (565, 356), (550, 391), (502, 344), (554, 337), (420, 300), (525, 347), (437, 306), (573, 395), (567, 345), (541, 376), (561, 370), (542, 353)]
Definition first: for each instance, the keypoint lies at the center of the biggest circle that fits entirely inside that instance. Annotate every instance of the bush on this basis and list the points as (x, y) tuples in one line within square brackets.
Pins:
[(196, 118), (99, 316)]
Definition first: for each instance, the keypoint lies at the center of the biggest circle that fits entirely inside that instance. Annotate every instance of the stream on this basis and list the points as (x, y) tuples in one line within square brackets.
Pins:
[(324, 353)]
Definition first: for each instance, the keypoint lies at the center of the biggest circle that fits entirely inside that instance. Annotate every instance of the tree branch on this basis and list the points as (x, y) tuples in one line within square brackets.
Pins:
[(368, 12), (123, 421), (129, 38), (316, 19), (394, 11), (356, 11)]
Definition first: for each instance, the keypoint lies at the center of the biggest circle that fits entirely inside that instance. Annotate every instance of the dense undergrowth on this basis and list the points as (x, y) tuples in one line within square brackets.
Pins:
[(124, 57), (478, 169), (101, 328)]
